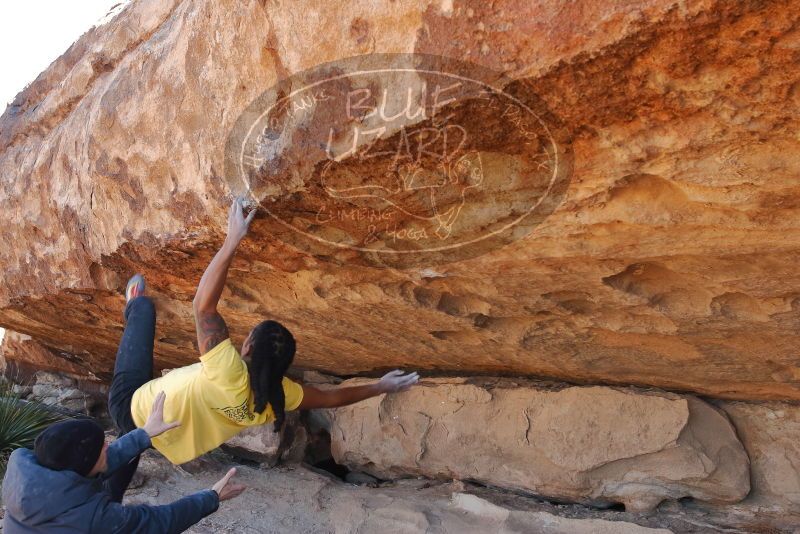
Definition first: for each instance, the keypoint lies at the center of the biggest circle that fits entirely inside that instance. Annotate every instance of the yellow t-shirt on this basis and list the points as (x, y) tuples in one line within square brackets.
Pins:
[(212, 400)]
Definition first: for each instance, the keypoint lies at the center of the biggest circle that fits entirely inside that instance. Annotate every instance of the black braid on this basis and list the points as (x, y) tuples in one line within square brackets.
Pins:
[(272, 354)]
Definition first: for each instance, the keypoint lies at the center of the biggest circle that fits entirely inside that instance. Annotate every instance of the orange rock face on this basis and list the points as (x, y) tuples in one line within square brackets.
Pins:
[(19, 355), (664, 253)]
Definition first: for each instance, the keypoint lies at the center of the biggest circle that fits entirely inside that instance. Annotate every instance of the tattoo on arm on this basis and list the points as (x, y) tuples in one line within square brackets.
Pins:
[(211, 330)]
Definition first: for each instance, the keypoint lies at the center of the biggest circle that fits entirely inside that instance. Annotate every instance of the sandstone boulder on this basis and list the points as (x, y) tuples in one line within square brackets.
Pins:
[(258, 444), (63, 392), (21, 355), (594, 445), (519, 521), (262, 444), (770, 432), (670, 261)]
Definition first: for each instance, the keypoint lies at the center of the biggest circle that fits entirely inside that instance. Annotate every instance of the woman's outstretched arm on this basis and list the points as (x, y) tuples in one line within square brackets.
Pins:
[(211, 328), (393, 382)]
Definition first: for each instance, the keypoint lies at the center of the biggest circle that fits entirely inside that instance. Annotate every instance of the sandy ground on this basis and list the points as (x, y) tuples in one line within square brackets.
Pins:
[(302, 499)]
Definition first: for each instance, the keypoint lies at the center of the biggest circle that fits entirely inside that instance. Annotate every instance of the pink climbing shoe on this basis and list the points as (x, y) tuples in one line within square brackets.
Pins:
[(135, 287)]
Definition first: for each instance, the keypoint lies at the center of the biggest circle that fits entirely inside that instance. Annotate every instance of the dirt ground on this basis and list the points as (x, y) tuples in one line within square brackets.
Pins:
[(300, 498)]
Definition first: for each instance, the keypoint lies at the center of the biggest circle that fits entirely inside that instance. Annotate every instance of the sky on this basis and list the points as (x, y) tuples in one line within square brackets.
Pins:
[(33, 33)]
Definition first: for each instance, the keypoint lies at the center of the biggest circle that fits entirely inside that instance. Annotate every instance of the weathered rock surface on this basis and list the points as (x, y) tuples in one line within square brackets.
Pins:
[(593, 445), (670, 262), (50, 376), (258, 444), (670, 258), (296, 499), (301, 500), (21, 355), (64, 393), (262, 444), (771, 434), (515, 521)]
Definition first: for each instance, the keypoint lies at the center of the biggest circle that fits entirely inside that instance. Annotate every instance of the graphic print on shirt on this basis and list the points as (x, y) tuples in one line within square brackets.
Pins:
[(237, 414)]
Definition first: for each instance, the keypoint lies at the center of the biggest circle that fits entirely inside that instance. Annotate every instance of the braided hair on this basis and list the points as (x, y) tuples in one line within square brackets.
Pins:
[(272, 353)]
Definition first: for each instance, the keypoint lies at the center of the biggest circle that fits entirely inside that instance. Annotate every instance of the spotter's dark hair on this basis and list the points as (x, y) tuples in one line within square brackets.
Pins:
[(272, 353)]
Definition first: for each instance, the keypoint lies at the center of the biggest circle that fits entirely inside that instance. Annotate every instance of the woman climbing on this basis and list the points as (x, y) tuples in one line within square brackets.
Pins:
[(225, 392)]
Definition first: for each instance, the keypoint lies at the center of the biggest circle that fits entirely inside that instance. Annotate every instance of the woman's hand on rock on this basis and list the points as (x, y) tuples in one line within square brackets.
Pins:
[(238, 224), (395, 381)]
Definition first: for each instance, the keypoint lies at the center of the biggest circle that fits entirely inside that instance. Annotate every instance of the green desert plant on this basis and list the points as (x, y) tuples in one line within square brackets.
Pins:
[(20, 421)]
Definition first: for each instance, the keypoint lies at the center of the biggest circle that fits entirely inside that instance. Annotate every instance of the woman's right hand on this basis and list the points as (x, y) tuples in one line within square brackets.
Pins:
[(238, 224)]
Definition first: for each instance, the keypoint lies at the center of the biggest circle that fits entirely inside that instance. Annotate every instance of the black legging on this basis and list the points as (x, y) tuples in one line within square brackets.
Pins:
[(133, 368)]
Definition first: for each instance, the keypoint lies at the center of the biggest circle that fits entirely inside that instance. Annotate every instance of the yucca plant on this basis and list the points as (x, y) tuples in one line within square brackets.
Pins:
[(20, 421)]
